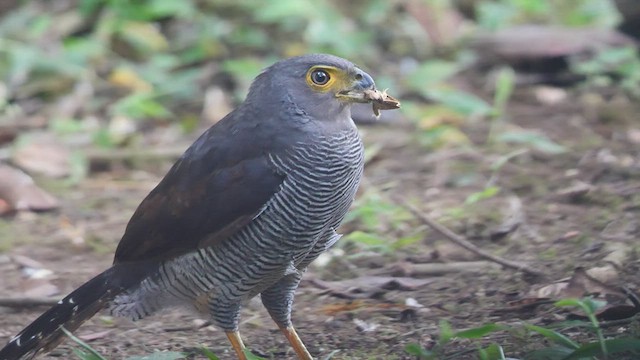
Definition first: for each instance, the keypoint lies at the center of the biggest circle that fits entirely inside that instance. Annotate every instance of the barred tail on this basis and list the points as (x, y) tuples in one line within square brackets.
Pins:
[(45, 332)]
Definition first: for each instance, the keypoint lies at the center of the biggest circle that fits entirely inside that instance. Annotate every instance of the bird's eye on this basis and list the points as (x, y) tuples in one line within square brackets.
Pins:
[(320, 77)]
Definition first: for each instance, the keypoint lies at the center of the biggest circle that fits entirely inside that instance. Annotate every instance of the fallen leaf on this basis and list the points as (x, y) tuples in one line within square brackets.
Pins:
[(369, 286), (535, 42), (569, 235), (364, 326), (25, 261), (94, 335), (513, 218), (38, 288), (605, 274), (362, 305), (412, 303), (548, 95), (581, 284), (216, 104), (333, 309), (42, 154), (19, 191), (129, 79), (576, 192)]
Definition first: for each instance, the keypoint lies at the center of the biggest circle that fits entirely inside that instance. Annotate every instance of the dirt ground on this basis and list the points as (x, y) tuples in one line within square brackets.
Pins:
[(562, 229)]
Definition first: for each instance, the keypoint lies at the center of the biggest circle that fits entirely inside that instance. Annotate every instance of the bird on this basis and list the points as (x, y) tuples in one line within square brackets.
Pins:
[(243, 212)]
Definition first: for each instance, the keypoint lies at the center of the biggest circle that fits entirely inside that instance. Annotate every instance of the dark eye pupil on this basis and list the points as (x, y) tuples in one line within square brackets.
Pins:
[(320, 77)]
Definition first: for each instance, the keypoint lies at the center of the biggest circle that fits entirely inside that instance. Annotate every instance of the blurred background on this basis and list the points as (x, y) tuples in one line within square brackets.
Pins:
[(518, 131)]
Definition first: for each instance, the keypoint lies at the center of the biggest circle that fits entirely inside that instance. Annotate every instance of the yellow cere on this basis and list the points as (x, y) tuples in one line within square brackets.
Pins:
[(338, 79)]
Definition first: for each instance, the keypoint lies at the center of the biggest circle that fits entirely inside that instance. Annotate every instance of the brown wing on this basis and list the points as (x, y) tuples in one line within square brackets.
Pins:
[(218, 186)]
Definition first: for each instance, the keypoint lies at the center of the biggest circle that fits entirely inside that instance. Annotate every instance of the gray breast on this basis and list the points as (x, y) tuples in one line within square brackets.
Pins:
[(320, 184)]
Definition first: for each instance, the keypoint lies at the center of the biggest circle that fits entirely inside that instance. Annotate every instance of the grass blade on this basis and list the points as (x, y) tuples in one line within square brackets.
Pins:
[(554, 336), (89, 353)]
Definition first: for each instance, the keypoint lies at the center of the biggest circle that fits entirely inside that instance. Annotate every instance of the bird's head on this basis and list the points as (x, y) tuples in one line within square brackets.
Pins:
[(319, 86)]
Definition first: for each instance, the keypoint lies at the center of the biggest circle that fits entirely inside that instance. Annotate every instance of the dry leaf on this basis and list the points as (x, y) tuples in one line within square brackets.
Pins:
[(381, 101), (38, 288), (584, 283), (94, 335), (579, 285), (42, 154), (216, 104), (19, 191), (129, 79), (25, 261), (369, 286), (364, 326)]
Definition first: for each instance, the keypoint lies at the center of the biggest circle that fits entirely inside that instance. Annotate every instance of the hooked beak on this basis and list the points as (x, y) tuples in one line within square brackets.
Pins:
[(356, 93)]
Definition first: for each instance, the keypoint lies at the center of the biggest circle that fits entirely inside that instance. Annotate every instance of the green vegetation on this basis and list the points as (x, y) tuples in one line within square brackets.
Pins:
[(86, 352), (558, 346), (109, 70), (143, 60)]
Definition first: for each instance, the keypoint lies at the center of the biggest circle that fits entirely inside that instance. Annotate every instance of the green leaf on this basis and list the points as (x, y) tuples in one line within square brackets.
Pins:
[(491, 352), (417, 350), (144, 37), (86, 352), (486, 193), (568, 302), (478, 332), (406, 241), (504, 88), (85, 355), (163, 8), (537, 141), (275, 11), (102, 138), (554, 336), (140, 106), (588, 305), (243, 69), (494, 15), (251, 356), (364, 238), (446, 332), (86, 7), (592, 305), (550, 353), (613, 346), (209, 354), (431, 73), (79, 167), (66, 126), (460, 101)]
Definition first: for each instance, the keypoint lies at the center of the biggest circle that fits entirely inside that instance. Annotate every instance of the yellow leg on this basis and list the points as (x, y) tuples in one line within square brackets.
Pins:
[(296, 343), (236, 343)]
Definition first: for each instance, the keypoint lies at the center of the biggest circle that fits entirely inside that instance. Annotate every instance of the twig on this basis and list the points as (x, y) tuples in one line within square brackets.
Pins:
[(459, 240), (135, 154), (25, 302), (437, 269), (619, 322)]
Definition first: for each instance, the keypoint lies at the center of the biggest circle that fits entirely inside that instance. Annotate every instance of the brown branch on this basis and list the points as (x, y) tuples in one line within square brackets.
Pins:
[(436, 269), (163, 153), (459, 240), (26, 302)]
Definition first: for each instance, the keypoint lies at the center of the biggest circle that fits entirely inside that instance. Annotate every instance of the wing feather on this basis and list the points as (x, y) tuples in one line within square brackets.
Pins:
[(215, 189)]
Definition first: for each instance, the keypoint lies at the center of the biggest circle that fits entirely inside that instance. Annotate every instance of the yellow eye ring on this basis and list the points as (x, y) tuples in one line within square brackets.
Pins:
[(320, 77), (324, 78)]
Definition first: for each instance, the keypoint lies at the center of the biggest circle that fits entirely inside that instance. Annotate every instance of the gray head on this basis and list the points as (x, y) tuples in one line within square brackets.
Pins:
[(316, 86)]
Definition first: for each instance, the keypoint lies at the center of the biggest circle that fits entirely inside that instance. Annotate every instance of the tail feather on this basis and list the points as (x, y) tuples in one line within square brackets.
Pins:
[(45, 333)]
